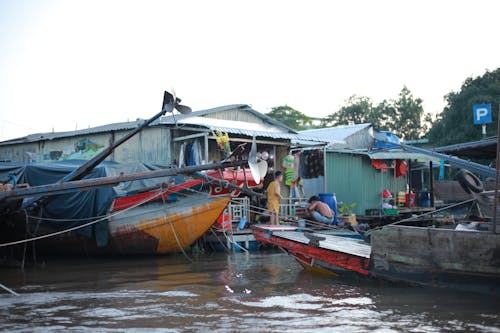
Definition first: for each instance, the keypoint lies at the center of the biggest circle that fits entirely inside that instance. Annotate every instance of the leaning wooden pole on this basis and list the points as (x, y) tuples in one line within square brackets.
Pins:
[(88, 184), (88, 166)]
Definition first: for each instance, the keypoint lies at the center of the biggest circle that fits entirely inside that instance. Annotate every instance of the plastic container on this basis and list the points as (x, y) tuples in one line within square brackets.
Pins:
[(424, 199), (390, 211), (331, 200), (243, 222), (401, 199), (411, 198)]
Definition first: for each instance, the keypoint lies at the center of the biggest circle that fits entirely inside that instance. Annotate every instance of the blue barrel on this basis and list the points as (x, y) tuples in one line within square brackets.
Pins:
[(424, 199), (331, 200)]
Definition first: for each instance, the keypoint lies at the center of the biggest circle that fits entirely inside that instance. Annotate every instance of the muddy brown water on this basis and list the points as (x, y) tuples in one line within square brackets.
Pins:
[(262, 292)]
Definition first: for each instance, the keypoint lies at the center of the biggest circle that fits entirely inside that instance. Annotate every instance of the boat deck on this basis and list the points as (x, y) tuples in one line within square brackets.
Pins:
[(335, 243), (346, 245)]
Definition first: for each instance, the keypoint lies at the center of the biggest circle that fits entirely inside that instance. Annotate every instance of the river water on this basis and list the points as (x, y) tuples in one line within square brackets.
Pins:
[(263, 292)]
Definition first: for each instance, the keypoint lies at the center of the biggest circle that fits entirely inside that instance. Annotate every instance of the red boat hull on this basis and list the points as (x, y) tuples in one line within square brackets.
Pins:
[(315, 257)]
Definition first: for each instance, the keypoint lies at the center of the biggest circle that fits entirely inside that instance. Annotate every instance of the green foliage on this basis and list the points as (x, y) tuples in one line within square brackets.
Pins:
[(346, 210), (407, 121), (290, 117), (455, 124), (357, 110), (404, 116)]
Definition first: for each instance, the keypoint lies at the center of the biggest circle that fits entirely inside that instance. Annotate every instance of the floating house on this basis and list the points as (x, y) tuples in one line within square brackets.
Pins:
[(161, 142), (357, 168)]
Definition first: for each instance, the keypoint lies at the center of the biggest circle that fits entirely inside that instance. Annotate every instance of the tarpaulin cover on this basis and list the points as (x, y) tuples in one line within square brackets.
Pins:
[(80, 205)]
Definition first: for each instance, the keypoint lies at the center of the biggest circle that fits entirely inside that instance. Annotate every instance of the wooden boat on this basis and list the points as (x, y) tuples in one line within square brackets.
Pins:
[(165, 228), (154, 227), (318, 252), (461, 260), (167, 219), (465, 260)]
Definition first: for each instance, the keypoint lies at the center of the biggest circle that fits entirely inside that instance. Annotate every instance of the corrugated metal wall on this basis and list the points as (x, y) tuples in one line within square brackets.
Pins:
[(151, 145), (18, 153), (353, 179), (236, 115)]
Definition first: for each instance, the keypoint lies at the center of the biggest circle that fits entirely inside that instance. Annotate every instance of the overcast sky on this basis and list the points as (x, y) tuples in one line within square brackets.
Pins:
[(75, 64)]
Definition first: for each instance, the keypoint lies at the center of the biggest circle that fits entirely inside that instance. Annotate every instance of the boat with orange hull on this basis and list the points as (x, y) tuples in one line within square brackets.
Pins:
[(155, 227), (140, 217), (165, 227)]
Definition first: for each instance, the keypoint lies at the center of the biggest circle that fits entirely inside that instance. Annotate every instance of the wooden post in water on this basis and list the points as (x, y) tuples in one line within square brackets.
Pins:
[(496, 175)]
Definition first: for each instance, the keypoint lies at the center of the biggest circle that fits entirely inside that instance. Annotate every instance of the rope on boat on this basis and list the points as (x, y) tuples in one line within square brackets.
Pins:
[(160, 192), (231, 240), (9, 290), (80, 226), (257, 210), (368, 232), (218, 238), (434, 211), (179, 243)]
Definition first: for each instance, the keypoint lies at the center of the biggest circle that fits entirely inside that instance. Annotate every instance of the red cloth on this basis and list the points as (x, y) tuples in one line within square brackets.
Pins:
[(401, 168), (379, 165)]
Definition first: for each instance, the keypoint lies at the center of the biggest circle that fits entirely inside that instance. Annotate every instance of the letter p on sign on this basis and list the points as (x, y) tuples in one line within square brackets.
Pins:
[(482, 114)]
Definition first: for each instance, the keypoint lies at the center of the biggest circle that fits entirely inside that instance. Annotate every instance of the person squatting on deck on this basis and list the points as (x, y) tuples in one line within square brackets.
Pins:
[(320, 211), (274, 197)]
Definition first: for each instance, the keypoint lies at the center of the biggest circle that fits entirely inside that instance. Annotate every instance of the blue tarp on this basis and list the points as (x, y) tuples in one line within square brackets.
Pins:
[(83, 204)]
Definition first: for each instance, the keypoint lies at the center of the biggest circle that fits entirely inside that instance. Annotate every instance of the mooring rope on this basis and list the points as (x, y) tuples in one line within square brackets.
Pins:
[(179, 243), (9, 290), (218, 238), (421, 215), (159, 192), (257, 210)]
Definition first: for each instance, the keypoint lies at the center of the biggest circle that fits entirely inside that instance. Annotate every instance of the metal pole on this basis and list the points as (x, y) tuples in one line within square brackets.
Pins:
[(496, 175), (431, 184)]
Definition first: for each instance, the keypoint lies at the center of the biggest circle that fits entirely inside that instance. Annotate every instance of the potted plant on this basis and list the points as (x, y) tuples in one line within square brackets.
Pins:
[(346, 214)]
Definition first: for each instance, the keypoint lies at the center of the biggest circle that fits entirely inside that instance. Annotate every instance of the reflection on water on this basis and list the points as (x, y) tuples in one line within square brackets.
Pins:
[(251, 293)]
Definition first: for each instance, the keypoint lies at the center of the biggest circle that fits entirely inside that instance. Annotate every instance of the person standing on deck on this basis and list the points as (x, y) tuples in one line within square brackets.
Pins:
[(274, 197), (320, 211)]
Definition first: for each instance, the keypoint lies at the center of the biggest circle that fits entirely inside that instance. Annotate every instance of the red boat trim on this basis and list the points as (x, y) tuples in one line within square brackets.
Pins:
[(339, 259), (131, 200)]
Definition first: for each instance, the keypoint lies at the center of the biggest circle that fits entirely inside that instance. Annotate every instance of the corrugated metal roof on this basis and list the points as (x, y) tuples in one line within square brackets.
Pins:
[(274, 125), (482, 149), (387, 154), (243, 107), (242, 128), (93, 130), (269, 129), (337, 133)]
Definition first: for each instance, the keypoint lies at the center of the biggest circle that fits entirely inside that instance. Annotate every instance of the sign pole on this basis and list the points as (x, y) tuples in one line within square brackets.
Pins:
[(482, 116)]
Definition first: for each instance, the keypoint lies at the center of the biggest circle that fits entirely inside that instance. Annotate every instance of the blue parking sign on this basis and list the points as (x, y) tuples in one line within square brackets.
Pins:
[(482, 114)]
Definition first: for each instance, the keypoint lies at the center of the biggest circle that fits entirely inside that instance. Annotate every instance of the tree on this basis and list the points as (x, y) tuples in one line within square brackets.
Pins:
[(290, 117), (402, 116), (407, 122), (357, 110), (455, 124)]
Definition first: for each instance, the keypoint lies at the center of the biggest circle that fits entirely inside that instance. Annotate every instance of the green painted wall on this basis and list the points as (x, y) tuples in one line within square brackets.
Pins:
[(353, 179)]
